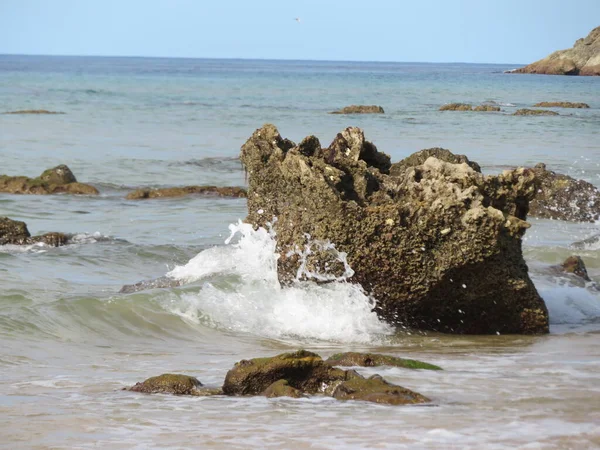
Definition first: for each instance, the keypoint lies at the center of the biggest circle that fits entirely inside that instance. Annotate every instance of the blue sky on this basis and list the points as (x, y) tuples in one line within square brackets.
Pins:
[(503, 31)]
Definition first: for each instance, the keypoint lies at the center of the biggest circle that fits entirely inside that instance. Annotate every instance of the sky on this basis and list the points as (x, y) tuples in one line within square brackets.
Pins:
[(481, 31)]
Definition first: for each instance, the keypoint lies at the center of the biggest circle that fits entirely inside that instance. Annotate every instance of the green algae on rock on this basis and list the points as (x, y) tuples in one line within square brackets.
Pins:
[(534, 112), (376, 389), (174, 384), (226, 191), (16, 233), (437, 245), (58, 180), (562, 105), (360, 109), (468, 107), (304, 373), (375, 359), (562, 197)]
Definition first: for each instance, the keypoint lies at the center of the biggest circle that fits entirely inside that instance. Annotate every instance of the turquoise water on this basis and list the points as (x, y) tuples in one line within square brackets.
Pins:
[(71, 341)]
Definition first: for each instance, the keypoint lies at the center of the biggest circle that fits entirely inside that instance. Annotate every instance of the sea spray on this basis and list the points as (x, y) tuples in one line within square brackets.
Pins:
[(244, 294)]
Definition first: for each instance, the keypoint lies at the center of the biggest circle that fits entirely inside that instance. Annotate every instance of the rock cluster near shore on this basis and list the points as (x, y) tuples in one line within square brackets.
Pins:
[(226, 191), (562, 105), (14, 232), (582, 59), (296, 375), (437, 244), (58, 180)]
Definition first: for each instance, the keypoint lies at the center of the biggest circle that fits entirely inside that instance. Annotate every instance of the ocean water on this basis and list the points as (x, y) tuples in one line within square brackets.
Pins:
[(71, 341)]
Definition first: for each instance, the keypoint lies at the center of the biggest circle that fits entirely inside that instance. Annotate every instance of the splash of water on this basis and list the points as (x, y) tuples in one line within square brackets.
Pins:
[(244, 294)]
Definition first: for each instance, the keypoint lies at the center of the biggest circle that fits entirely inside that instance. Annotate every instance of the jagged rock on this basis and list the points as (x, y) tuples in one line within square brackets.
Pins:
[(534, 112), (575, 265), (582, 59), (174, 384), (376, 389), (374, 359), (34, 111), (146, 193), (360, 109), (58, 180), (16, 233), (418, 158), (304, 373), (438, 246), (562, 197), (561, 105), (467, 107)]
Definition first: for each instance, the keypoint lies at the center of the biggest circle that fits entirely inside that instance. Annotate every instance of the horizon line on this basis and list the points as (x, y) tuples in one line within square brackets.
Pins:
[(256, 59)]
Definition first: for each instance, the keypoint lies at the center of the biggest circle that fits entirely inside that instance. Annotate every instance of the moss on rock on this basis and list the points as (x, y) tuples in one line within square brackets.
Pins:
[(58, 180), (168, 383), (376, 389), (281, 388), (223, 191), (534, 112), (375, 359), (360, 109), (561, 105)]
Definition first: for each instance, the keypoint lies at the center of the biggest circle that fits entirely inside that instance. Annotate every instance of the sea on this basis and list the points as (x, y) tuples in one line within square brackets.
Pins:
[(70, 342)]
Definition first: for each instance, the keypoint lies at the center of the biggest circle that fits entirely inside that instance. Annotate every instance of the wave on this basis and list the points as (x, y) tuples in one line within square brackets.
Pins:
[(72, 240)]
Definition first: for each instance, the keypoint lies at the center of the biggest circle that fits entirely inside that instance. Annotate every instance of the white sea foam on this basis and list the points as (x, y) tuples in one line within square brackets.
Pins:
[(258, 304)]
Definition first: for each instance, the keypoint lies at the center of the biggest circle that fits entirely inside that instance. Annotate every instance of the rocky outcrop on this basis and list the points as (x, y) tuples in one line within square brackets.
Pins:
[(562, 197), (561, 105), (146, 193), (15, 232), (582, 59), (575, 265), (419, 158), (304, 373), (174, 384), (34, 111), (467, 107), (58, 180), (534, 112), (351, 359), (360, 109), (437, 245)]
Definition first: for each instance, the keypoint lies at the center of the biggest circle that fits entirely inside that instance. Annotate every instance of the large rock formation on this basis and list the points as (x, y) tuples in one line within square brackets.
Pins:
[(562, 197), (438, 245), (582, 59), (58, 180), (16, 233)]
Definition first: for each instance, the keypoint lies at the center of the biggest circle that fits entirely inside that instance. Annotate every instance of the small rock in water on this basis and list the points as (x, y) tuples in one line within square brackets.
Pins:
[(360, 109), (575, 265)]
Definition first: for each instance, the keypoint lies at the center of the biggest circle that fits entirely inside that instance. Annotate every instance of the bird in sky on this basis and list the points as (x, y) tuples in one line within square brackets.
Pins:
[(297, 19)]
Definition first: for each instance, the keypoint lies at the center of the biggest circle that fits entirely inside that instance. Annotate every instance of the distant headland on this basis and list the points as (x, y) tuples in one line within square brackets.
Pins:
[(582, 59)]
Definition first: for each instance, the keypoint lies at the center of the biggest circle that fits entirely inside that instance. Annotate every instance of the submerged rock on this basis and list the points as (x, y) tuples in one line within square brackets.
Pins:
[(438, 245), (562, 197), (376, 389), (487, 108), (592, 241), (360, 109), (561, 105), (226, 191), (174, 384), (157, 283), (534, 112), (15, 232), (582, 59), (34, 111), (374, 359), (304, 373), (418, 158), (58, 180), (575, 265)]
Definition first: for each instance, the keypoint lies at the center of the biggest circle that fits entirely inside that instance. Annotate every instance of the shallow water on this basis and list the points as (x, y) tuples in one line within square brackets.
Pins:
[(71, 342)]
